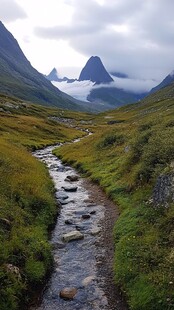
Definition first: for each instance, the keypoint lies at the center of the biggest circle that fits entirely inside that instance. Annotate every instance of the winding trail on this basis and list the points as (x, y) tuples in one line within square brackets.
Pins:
[(86, 264)]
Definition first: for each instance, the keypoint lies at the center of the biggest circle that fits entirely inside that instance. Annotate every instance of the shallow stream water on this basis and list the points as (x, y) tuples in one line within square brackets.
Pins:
[(75, 262)]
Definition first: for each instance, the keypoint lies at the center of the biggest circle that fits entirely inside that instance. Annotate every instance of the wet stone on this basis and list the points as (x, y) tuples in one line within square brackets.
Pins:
[(68, 222), (70, 188), (58, 245), (72, 235), (93, 212), (88, 280), (85, 216), (91, 205), (68, 293), (62, 195), (61, 168), (72, 178), (95, 231), (65, 202)]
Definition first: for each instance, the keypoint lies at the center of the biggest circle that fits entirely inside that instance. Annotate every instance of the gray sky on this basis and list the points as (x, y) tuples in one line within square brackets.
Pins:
[(131, 36)]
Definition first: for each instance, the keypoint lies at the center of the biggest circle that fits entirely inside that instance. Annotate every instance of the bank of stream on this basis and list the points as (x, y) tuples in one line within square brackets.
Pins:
[(82, 266)]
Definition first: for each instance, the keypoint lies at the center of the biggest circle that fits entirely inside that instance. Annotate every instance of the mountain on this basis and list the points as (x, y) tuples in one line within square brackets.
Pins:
[(18, 78), (167, 81), (53, 76), (113, 96), (95, 71)]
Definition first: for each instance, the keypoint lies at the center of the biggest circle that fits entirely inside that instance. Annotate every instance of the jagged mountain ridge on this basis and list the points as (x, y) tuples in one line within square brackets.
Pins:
[(54, 77)]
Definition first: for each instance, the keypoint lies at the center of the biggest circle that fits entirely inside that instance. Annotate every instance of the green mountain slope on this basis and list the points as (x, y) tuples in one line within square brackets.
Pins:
[(113, 96), (20, 79)]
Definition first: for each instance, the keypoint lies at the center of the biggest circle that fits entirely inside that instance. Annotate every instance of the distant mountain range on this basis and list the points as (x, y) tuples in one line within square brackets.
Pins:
[(20, 79), (108, 93), (53, 76)]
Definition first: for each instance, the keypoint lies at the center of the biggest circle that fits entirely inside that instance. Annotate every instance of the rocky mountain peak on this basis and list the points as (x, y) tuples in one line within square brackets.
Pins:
[(95, 71)]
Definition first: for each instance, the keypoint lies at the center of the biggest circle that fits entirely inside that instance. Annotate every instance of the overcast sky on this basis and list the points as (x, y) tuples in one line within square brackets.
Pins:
[(135, 37)]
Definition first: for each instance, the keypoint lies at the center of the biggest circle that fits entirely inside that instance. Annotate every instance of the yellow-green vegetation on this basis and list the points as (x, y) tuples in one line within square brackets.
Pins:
[(129, 149), (27, 204)]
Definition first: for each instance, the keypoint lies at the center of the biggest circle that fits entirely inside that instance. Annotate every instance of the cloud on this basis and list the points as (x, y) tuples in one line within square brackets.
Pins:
[(11, 11), (132, 85), (81, 89), (135, 37), (78, 90)]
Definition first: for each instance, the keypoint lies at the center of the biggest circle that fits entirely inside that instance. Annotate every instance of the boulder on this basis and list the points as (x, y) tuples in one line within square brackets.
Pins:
[(72, 235), (72, 178), (68, 293)]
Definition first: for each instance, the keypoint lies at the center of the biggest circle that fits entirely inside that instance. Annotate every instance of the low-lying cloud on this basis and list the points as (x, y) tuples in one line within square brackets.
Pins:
[(81, 89)]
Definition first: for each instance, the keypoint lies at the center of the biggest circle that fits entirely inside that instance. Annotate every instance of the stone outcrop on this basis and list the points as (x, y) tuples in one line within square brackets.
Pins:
[(163, 192)]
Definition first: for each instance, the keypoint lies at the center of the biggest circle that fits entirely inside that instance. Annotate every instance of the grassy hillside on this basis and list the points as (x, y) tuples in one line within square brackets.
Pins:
[(27, 204), (130, 148)]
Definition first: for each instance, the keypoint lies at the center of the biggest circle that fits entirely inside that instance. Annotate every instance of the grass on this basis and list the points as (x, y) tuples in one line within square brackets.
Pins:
[(126, 155), (27, 205)]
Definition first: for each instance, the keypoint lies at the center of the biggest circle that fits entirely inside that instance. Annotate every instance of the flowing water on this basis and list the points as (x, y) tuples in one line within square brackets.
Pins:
[(75, 262)]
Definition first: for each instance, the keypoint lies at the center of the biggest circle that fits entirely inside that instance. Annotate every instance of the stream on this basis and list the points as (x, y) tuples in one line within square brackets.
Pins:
[(75, 262)]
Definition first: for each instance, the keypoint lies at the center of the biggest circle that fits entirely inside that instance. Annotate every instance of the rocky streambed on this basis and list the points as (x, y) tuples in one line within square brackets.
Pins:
[(82, 244)]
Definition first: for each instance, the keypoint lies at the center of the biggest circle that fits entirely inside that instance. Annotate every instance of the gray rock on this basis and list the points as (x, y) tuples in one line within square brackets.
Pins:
[(95, 231), (72, 178), (85, 216), (58, 245), (91, 205), (61, 168), (72, 235), (70, 188), (62, 195), (88, 280), (93, 212), (68, 222), (65, 202)]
